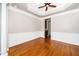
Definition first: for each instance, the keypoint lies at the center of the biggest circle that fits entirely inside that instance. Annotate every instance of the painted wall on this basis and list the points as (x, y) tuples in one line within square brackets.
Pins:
[(19, 38), (71, 38), (65, 22), (18, 22), (21, 27)]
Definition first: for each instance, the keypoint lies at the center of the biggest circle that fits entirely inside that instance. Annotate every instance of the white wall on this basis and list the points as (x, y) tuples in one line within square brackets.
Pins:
[(65, 22), (21, 27), (66, 26), (71, 38), (19, 38), (18, 22)]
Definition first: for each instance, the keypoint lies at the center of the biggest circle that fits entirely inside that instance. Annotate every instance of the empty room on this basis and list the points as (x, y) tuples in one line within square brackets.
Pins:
[(42, 29)]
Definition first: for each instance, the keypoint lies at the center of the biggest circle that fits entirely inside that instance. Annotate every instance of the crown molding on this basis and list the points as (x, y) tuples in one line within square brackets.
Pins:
[(22, 12)]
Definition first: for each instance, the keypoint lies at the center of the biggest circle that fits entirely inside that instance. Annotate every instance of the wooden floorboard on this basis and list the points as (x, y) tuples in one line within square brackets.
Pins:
[(44, 47)]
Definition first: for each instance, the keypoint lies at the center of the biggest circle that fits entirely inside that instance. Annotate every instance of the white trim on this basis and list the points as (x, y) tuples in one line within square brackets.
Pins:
[(71, 38), (40, 16), (19, 38), (21, 11), (6, 54), (58, 9), (3, 30), (62, 13), (34, 16)]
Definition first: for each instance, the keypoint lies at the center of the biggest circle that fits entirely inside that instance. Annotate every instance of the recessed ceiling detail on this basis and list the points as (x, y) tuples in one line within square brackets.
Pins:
[(33, 8)]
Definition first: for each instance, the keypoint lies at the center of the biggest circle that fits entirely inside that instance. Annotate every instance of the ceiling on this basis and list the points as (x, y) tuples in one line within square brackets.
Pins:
[(33, 8)]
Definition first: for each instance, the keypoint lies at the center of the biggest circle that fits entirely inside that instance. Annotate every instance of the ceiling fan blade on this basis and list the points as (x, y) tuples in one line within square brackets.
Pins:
[(46, 9), (52, 5), (41, 6)]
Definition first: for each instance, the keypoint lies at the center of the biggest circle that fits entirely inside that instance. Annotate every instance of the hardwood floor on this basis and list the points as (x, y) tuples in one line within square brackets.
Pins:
[(44, 47)]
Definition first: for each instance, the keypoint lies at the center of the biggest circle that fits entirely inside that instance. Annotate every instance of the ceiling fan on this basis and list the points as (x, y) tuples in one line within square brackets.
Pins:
[(47, 5)]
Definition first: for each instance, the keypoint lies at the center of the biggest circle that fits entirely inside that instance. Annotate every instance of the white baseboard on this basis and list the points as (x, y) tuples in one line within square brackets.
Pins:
[(5, 54), (18, 38), (71, 38)]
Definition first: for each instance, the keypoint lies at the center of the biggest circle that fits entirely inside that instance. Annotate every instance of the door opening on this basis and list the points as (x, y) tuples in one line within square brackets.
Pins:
[(48, 28)]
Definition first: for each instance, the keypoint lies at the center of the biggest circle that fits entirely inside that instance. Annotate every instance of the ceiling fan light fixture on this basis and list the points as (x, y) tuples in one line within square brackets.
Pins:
[(47, 5)]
